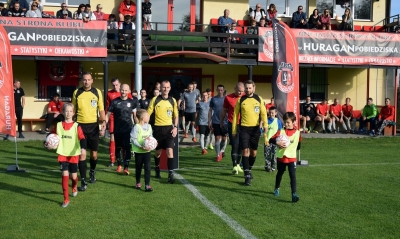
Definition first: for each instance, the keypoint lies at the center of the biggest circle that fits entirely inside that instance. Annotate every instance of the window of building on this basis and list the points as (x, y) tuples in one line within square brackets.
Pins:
[(360, 9), (72, 3), (313, 82)]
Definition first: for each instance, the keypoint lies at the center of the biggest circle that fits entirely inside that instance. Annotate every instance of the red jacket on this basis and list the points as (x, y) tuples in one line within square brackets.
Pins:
[(387, 113), (124, 10)]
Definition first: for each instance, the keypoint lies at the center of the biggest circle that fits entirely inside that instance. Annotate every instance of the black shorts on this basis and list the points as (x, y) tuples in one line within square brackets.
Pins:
[(123, 140), (92, 134), (204, 129), (163, 136), (218, 131), (249, 137), (190, 117), (70, 167), (181, 113)]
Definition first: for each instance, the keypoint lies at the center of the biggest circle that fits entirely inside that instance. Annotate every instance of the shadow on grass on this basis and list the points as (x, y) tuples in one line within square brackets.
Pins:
[(28, 192)]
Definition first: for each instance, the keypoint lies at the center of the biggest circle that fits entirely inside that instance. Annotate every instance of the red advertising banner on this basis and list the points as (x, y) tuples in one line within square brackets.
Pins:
[(59, 73), (56, 37), (338, 47), (285, 72), (7, 107)]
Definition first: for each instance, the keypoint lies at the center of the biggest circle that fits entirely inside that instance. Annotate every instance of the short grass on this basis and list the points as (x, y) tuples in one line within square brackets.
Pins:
[(350, 190)]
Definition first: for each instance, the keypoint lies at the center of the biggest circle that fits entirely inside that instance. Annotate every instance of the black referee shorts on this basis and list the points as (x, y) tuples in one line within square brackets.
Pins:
[(163, 136), (249, 137), (92, 134)]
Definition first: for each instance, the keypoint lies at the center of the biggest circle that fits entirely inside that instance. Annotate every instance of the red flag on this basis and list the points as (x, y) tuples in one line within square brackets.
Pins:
[(285, 73), (7, 107)]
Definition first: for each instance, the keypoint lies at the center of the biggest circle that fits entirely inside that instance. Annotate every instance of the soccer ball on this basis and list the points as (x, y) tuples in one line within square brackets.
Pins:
[(150, 143), (284, 138), (52, 141)]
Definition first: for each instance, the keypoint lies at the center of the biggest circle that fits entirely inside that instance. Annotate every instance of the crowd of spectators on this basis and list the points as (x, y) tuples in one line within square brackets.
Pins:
[(337, 118)]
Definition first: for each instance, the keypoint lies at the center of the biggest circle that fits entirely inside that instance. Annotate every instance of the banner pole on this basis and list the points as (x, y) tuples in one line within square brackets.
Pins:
[(15, 168)]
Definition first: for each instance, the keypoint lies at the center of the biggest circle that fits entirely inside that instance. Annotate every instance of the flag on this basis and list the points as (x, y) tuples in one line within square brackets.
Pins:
[(7, 107), (285, 72)]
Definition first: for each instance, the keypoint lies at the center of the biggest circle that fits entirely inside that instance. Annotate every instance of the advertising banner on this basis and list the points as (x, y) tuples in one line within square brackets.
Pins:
[(285, 72), (7, 107), (338, 47), (56, 37)]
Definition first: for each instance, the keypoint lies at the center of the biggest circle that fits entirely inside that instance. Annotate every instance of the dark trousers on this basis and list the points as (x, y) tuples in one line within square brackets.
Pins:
[(292, 175), (140, 160), (50, 118), (18, 112), (236, 152), (371, 121)]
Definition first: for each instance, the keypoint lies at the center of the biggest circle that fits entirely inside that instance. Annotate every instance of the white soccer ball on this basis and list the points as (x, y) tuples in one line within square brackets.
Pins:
[(52, 141), (283, 138), (150, 143)]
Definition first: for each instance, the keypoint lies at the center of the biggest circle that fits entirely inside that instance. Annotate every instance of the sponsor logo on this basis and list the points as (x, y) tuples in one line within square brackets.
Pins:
[(169, 113), (57, 70), (128, 104), (257, 109), (285, 81), (66, 137)]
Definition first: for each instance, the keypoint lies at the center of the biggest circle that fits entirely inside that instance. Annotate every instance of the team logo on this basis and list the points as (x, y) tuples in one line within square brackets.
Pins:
[(257, 109), (146, 103), (169, 113), (1, 83), (128, 105), (285, 81), (268, 47), (57, 70), (93, 103)]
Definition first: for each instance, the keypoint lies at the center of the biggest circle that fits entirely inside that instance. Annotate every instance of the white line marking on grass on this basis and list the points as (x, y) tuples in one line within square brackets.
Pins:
[(232, 223)]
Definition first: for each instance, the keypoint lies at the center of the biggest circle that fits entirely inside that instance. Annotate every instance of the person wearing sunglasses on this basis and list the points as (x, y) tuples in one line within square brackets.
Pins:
[(257, 14), (34, 12), (40, 6), (325, 20), (99, 12), (299, 19), (62, 11)]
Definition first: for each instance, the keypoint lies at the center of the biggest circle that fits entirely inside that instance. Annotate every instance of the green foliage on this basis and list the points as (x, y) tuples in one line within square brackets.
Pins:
[(350, 190)]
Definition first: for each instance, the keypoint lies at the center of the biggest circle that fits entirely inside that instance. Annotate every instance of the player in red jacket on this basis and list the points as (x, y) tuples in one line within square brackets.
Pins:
[(111, 95), (386, 117)]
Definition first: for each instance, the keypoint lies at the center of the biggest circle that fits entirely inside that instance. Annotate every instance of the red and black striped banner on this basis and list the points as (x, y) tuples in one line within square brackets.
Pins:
[(56, 37)]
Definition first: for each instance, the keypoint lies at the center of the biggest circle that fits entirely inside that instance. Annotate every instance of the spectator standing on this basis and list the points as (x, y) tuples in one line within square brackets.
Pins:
[(112, 24), (251, 109), (54, 110), (347, 21), (165, 127), (257, 14), (347, 110), (203, 108), (286, 155), (272, 13), (34, 12), (190, 101), (227, 112), (323, 116), (127, 7), (78, 14), (215, 123), (19, 101), (336, 114), (124, 111), (99, 12), (299, 19), (325, 20), (3, 10), (274, 125), (88, 103), (314, 21), (146, 8), (16, 11), (61, 13), (40, 5), (23, 5), (307, 113), (369, 114), (386, 117), (140, 132), (225, 21), (143, 102), (127, 25)]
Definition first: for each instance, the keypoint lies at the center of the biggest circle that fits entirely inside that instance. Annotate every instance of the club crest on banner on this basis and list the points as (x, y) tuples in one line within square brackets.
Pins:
[(268, 47), (57, 70), (285, 81)]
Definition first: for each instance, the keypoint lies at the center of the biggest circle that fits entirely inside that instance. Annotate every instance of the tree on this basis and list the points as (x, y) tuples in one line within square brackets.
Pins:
[(185, 26)]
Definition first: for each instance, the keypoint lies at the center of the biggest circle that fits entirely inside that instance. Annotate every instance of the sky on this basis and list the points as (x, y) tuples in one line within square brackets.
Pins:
[(395, 9)]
